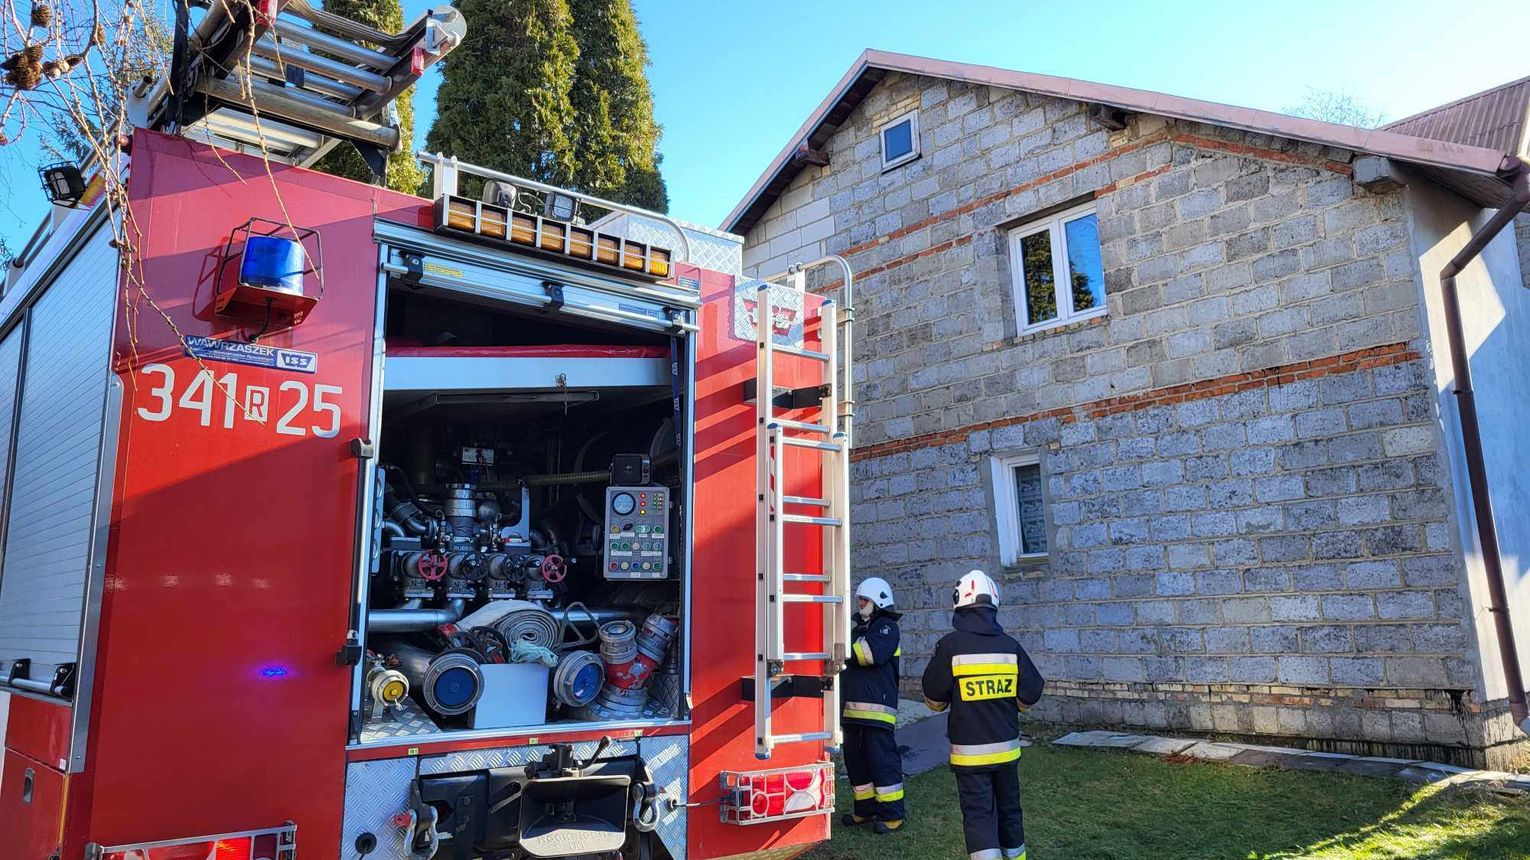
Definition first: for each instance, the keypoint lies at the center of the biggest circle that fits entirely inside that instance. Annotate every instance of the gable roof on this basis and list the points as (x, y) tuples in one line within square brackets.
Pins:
[(1498, 118), (1472, 171)]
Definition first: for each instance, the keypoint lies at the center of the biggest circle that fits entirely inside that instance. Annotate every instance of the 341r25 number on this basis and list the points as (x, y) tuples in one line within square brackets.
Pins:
[(315, 405)]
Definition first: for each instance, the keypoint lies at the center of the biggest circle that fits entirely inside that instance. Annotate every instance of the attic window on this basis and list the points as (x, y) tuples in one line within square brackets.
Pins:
[(900, 140)]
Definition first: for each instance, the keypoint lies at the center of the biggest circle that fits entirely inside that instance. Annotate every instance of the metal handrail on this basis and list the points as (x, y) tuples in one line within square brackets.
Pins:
[(846, 319), (445, 182)]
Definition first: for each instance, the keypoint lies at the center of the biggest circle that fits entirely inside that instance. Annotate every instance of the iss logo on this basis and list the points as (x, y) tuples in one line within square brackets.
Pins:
[(306, 362)]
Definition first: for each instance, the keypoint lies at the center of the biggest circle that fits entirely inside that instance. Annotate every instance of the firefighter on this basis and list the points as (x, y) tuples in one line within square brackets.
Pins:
[(986, 679), (869, 690)]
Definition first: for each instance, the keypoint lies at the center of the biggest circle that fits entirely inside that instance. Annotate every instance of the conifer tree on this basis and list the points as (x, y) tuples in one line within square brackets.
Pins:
[(615, 136), (504, 100)]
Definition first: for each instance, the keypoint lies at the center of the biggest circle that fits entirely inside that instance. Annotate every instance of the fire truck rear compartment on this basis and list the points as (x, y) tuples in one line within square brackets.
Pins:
[(527, 556)]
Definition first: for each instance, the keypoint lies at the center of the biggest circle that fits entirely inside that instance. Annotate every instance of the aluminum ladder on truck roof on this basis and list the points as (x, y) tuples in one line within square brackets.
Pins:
[(288, 80), (831, 439)]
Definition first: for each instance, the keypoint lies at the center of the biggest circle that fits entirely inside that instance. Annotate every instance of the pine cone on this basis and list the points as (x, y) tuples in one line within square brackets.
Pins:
[(25, 76), (42, 15)]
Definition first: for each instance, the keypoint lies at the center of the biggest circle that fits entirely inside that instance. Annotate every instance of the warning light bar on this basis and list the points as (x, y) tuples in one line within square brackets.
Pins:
[(489, 221)]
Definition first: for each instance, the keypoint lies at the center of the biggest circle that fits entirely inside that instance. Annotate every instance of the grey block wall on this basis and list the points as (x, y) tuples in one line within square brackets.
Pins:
[(1277, 560)]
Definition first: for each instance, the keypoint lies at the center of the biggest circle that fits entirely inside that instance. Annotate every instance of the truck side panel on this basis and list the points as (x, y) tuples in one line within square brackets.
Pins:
[(220, 705), (723, 583)]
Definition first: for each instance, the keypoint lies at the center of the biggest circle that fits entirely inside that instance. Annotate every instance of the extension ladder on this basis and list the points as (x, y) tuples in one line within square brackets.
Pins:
[(288, 80), (776, 511)]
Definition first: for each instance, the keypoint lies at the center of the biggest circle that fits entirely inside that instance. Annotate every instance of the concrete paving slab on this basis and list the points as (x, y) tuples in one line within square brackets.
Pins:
[(1378, 767), (1163, 746), (1087, 739), (1208, 751)]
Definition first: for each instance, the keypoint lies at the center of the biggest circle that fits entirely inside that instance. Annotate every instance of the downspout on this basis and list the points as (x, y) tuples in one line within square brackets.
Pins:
[(1517, 173)]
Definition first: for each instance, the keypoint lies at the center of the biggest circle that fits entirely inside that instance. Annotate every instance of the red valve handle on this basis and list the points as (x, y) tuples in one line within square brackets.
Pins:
[(554, 568), (431, 565)]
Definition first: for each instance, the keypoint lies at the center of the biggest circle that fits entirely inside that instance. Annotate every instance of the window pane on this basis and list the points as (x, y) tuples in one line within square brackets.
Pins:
[(898, 140), (1084, 269), (1032, 518), (1036, 263)]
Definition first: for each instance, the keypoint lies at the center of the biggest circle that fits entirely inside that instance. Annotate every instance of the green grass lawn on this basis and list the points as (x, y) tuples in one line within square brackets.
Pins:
[(1083, 804)]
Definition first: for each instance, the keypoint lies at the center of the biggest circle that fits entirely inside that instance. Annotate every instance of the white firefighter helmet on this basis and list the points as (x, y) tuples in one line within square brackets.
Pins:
[(975, 588), (876, 590)]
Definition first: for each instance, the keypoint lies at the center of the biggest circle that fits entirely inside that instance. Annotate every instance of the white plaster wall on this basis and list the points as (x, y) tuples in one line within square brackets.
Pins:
[(1495, 315)]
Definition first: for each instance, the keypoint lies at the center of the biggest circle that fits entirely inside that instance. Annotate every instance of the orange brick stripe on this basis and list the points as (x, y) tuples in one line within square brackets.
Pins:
[(1195, 140), (1349, 362)]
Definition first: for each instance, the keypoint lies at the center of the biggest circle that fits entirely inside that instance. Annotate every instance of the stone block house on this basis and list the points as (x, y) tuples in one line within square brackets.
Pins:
[(1175, 372)]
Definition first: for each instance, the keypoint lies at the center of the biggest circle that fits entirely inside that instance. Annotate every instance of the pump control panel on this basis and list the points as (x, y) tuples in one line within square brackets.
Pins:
[(637, 533)]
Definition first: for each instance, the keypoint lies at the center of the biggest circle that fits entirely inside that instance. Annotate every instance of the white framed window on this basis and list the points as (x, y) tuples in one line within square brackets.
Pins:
[(900, 140), (1019, 508), (1055, 269)]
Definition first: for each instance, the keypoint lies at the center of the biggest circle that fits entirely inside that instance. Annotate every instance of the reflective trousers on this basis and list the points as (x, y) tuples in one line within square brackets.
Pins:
[(876, 772), (991, 818)]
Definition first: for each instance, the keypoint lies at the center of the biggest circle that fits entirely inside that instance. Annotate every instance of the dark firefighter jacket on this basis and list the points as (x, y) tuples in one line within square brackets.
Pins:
[(869, 684), (986, 679)]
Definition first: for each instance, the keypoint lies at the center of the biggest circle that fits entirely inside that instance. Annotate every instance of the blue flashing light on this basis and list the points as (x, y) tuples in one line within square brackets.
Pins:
[(274, 671), (274, 263)]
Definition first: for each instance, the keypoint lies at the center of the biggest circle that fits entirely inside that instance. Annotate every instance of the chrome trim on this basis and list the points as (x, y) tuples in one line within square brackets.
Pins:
[(367, 481), (539, 732), (285, 830), (514, 261), (90, 622), (688, 457), (10, 453)]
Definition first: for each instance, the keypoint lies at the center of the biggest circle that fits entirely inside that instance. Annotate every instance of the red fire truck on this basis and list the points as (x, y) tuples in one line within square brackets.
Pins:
[(505, 523)]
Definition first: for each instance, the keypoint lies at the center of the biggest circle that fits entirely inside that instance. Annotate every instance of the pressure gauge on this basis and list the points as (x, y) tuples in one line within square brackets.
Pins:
[(623, 503)]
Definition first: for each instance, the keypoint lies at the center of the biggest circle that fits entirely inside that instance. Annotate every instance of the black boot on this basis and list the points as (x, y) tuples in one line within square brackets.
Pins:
[(850, 819)]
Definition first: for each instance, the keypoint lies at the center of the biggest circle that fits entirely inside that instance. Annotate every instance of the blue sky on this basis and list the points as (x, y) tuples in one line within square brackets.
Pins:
[(732, 81)]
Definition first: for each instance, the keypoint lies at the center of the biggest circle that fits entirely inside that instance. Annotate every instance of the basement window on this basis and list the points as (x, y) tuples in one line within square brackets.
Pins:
[(1063, 249), (900, 140), (1019, 508)]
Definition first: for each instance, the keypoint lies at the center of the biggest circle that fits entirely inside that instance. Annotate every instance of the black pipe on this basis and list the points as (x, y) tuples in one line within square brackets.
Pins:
[(1517, 173)]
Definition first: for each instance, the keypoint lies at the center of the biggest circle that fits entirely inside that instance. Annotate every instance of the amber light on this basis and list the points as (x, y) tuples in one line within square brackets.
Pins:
[(609, 250), (491, 221), (552, 236), (632, 255), (581, 242), (658, 262), (459, 213), (523, 229)]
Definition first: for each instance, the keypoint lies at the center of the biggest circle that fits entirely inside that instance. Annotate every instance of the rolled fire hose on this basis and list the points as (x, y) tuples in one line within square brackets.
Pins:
[(523, 621)]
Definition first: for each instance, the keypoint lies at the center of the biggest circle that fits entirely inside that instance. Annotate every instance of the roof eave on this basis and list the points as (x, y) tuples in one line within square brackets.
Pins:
[(1406, 148)]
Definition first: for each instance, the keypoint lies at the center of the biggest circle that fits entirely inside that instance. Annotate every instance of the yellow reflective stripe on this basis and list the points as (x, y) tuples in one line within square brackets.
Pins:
[(985, 669), (862, 792), (989, 758), (973, 755), (857, 714), (968, 659), (898, 652), (862, 652), (1014, 853), (890, 796), (936, 706)]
